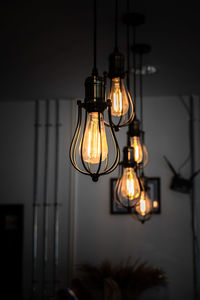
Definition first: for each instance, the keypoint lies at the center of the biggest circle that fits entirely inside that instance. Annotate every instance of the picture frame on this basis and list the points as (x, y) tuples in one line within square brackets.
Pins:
[(153, 192), (153, 184)]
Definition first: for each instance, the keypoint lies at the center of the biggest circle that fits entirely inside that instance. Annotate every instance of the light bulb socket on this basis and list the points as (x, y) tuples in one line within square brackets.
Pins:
[(116, 65), (128, 157), (134, 128), (95, 94)]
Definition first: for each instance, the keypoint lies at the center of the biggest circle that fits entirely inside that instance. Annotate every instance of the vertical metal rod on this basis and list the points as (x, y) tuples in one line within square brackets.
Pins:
[(55, 233), (45, 197), (35, 191), (192, 197)]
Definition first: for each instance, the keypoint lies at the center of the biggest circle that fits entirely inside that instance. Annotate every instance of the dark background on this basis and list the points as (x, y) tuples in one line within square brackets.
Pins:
[(46, 47)]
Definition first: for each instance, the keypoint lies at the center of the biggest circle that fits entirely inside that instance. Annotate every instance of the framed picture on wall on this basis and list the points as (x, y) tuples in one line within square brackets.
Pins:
[(153, 184)]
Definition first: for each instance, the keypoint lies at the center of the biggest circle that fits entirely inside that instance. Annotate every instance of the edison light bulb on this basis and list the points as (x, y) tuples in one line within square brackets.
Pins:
[(144, 205), (93, 139), (138, 151), (118, 97), (129, 185)]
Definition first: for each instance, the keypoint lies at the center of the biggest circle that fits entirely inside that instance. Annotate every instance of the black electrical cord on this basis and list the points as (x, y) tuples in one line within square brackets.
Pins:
[(141, 92), (116, 25), (128, 48), (141, 106), (134, 68), (94, 71)]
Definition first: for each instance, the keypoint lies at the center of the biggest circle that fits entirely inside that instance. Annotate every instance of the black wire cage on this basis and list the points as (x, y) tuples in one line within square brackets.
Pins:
[(98, 154)]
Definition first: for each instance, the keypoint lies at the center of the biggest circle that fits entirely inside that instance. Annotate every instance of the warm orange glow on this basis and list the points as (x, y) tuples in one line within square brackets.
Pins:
[(119, 98), (129, 185), (144, 205), (138, 152), (92, 140), (155, 204)]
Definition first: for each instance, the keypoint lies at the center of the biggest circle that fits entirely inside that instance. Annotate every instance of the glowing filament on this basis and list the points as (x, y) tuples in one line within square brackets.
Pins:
[(129, 185), (138, 152), (94, 142), (144, 205), (119, 98)]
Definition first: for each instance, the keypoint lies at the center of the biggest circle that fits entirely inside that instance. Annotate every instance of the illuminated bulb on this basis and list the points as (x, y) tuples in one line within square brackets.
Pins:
[(138, 151), (119, 98), (155, 204), (92, 140), (129, 185), (144, 205)]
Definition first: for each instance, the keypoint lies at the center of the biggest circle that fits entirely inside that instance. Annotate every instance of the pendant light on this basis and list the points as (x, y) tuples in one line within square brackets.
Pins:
[(144, 207), (142, 49), (127, 189), (90, 146), (134, 132), (122, 109)]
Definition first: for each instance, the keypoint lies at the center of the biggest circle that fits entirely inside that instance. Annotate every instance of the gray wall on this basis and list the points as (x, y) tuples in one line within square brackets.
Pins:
[(88, 231), (166, 239)]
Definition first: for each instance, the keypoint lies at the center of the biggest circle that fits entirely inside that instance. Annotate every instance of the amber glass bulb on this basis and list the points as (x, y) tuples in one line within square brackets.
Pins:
[(138, 151), (129, 185), (118, 97), (92, 140), (144, 205)]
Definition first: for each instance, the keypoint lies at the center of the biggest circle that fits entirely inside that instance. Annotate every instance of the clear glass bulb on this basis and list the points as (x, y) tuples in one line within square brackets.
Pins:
[(92, 139), (129, 185), (144, 205), (118, 97), (138, 151)]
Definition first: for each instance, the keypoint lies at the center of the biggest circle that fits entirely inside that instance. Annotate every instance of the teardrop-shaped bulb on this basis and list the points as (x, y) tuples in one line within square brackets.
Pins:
[(138, 151), (129, 187), (118, 97), (144, 205), (93, 139)]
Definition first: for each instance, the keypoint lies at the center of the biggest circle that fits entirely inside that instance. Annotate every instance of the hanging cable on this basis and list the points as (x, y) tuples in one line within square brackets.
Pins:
[(128, 48), (95, 72), (141, 92), (134, 68), (116, 25)]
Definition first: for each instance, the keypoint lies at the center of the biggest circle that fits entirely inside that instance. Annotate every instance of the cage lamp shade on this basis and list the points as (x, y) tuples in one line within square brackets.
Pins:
[(89, 151), (127, 189)]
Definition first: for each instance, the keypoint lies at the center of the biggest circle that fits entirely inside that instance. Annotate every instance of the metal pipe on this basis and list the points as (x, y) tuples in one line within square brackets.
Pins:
[(45, 198), (192, 198), (56, 204), (35, 192)]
